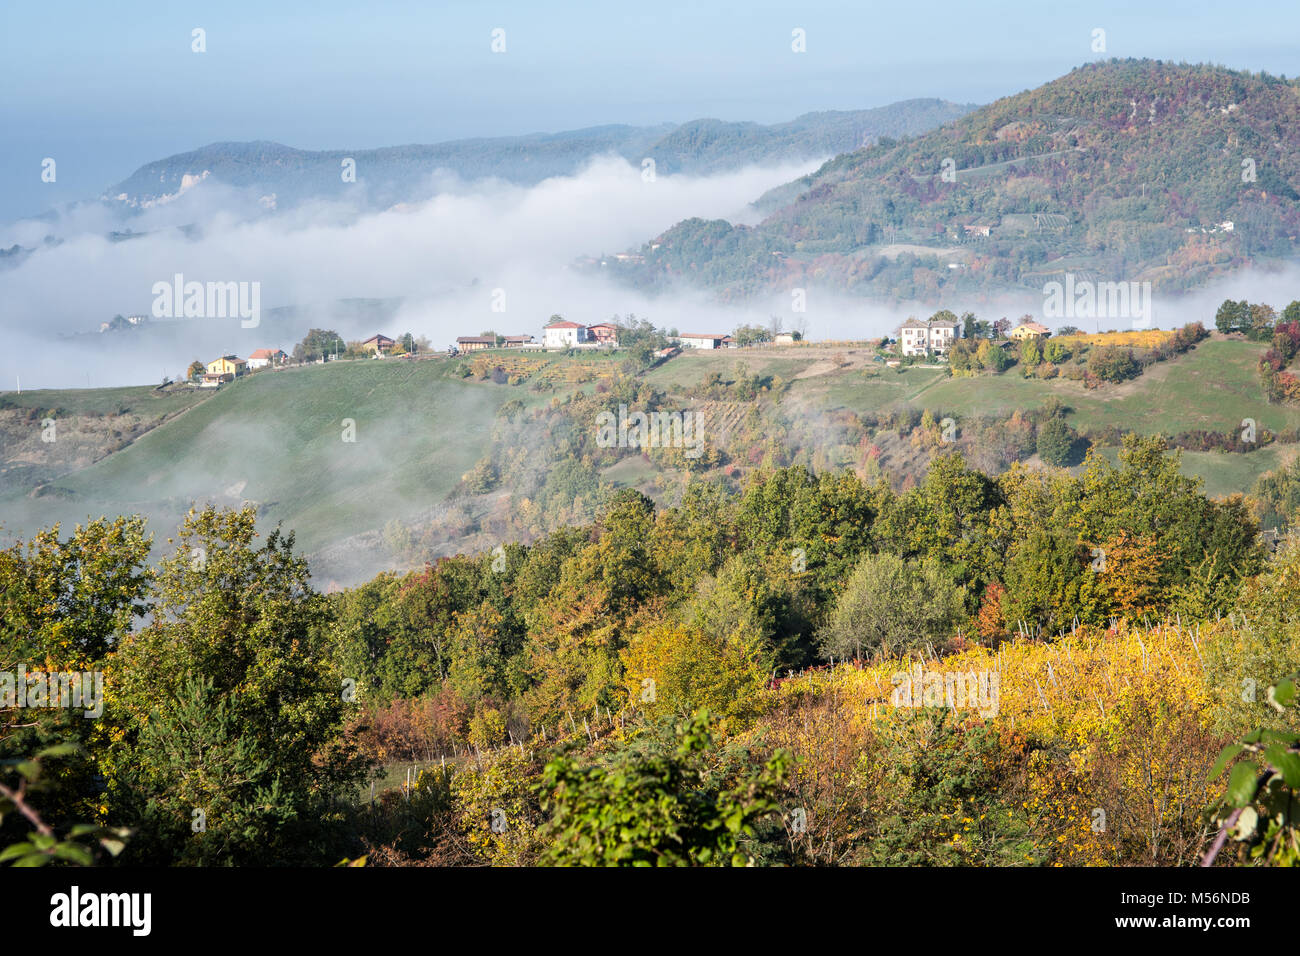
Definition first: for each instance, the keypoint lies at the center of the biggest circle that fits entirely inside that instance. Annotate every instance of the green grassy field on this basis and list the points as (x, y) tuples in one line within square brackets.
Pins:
[(1226, 474), (143, 400), (693, 366), (277, 439), (1214, 387)]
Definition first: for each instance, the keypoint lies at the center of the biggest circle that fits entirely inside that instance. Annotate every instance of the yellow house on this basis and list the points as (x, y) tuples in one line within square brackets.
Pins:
[(225, 369), (1028, 330)]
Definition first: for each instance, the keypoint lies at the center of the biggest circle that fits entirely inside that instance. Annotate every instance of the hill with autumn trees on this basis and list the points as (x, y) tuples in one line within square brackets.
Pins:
[(1129, 170)]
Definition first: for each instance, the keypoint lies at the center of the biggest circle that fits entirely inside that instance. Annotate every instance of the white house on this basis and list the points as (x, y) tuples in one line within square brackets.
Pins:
[(264, 357), (701, 341), (920, 338), (563, 335)]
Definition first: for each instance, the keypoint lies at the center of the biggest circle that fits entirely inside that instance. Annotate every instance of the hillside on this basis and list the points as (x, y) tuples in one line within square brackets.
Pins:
[(457, 455), (405, 173), (277, 440), (1118, 171)]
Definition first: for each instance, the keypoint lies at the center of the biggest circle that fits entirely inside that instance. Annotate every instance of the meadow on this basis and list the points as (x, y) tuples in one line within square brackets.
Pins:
[(278, 439)]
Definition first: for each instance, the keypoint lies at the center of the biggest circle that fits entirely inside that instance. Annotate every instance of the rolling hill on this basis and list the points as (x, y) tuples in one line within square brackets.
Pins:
[(1133, 170), (405, 173), (455, 455)]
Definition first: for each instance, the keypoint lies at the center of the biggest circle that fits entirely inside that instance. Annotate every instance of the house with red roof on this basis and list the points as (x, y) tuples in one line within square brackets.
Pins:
[(603, 333), (266, 357), (563, 335)]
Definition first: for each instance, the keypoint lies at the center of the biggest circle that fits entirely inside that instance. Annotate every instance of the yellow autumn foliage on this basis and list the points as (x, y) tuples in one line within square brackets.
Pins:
[(1114, 727)]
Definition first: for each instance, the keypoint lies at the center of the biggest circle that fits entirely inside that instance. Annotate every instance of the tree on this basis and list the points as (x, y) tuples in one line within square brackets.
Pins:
[(1055, 352), (1110, 363), (1147, 495), (1049, 582), (679, 669), (890, 606), (317, 343), (662, 808), (752, 334), (1057, 442), (1132, 576), (229, 703), (946, 518), (1030, 353), (992, 356), (195, 371), (1260, 322), (1232, 316)]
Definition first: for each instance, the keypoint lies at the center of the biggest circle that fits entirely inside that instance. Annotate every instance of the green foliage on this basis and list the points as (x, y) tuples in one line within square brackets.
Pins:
[(950, 803), (1110, 363), (657, 808), (1057, 443), (992, 357), (317, 343), (1049, 582), (1232, 316), (892, 606), (229, 701), (42, 844), (1260, 808)]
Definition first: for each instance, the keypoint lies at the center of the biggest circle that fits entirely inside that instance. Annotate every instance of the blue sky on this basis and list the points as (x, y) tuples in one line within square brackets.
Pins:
[(106, 87)]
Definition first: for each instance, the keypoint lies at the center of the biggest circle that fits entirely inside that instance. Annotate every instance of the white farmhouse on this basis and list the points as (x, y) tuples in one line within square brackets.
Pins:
[(920, 338), (697, 340), (563, 335)]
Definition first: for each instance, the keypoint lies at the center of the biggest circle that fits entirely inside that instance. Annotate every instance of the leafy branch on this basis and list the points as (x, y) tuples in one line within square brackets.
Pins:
[(43, 845)]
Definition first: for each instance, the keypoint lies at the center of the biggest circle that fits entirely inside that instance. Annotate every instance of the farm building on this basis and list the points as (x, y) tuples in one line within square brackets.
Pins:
[(225, 369), (603, 333), (264, 357), (698, 340), (916, 337), (1029, 330), (563, 335)]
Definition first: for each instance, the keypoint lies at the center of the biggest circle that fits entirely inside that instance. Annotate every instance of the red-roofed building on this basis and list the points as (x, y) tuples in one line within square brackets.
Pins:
[(379, 344), (264, 357), (603, 333), (563, 335)]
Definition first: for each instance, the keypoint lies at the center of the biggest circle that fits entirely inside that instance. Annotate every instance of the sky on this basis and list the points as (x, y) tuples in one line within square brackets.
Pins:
[(103, 88)]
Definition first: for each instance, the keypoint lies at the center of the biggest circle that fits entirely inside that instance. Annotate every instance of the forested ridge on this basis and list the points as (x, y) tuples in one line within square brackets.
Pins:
[(1120, 170)]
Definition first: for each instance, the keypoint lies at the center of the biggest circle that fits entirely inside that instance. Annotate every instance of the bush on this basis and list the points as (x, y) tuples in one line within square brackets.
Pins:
[(1113, 364), (1058, 443), (892, 605)]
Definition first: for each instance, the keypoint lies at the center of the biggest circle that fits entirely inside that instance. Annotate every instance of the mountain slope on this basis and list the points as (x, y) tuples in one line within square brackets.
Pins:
[(403, 173), (1125, 171)]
